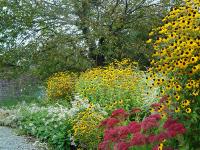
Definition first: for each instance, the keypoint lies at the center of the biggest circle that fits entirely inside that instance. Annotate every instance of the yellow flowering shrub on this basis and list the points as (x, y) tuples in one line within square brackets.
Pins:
[(177, 64), (85, 126), (119, 84), (60, 85), (177, 55)]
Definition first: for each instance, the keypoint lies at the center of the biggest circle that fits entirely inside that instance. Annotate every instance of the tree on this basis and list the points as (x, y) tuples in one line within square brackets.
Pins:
[(62, 34)]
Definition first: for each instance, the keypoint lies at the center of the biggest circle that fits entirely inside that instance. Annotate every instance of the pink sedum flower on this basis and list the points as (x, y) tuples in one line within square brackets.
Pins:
[(121, 146), (134, 127), (138, 139), (119, 114), (109, 123)]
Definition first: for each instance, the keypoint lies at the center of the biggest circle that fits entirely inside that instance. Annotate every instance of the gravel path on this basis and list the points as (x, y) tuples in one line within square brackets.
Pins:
[(10, 141)]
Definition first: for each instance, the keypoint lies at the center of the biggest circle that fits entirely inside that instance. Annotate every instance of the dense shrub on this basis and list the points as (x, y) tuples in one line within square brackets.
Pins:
[(50, 125), (56, 124), (85, 126), (119, 84), (60, 85), (177, 56)]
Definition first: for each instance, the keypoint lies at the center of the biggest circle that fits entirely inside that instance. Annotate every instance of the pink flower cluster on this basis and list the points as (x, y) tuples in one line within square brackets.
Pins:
[(122, 137)]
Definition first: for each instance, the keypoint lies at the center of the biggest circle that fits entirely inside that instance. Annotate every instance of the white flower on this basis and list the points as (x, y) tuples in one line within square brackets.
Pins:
[(72, 140), (30, 124)]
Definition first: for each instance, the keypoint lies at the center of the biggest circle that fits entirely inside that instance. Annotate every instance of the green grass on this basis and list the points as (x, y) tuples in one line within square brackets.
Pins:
[(43, 102), (8, 103), (13, 102)]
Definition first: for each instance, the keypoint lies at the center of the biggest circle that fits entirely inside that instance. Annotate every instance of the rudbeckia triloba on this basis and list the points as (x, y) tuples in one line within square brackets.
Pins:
[(109, 85), (188, 85), (149, 41), (160, 146), (152, 110), (186, 102), (160, 108), (177, 109), (60, 85), (168, 102), (188, 110), (177, 97), (176, 55)]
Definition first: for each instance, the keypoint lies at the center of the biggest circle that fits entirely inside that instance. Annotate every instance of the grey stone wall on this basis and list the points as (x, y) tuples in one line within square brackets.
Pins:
[(11, 89), (7, 89)]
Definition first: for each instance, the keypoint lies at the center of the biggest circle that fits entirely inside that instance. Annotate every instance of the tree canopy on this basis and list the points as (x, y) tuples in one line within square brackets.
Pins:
[(49, 36)]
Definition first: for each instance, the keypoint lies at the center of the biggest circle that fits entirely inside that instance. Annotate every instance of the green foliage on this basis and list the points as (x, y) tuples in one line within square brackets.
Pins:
[(48, 123), (47, 129), (13, 102), (45, 37), (117, 85)]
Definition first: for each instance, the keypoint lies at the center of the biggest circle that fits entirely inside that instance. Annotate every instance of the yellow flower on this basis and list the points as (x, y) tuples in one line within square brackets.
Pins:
[(186, 102), (188, 110), (121, 102), (60, 84), (168, 102), (178, 87), (151, 33), (177, 54), (160, 108), (182, 105), (196, 68), (149, 41), (152, 110), (195, 93), (162, 92), (177, 109), (163, 115), (188, 86), (160, 146), (194, 59), (177, 97), (108, 85)]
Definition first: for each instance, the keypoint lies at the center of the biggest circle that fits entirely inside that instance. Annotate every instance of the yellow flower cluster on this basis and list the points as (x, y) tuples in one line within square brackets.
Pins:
[(85, 126), (60, 84), (113, 85), (177, 56)]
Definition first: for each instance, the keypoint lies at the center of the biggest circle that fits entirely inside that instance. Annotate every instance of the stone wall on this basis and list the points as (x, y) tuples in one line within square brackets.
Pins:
[(11, 89)]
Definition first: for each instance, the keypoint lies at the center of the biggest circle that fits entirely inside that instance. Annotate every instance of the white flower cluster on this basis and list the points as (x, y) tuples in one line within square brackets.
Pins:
[(56, 112), (149, 96), (9, 117), (78, 105), (34, 117), (40, 145)]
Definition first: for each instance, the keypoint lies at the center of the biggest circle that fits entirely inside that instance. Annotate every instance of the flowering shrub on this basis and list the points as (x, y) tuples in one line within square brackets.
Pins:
[(177, 58), (56, 124), (153, 132), (60, 85), (120, 83), (46, 123), (84, 126)]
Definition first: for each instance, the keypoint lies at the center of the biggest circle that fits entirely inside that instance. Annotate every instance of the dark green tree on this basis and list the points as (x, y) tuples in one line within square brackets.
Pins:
[(48, 36)]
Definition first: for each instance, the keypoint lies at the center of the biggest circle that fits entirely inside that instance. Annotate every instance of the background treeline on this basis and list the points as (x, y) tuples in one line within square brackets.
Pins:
[(44, 37)]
